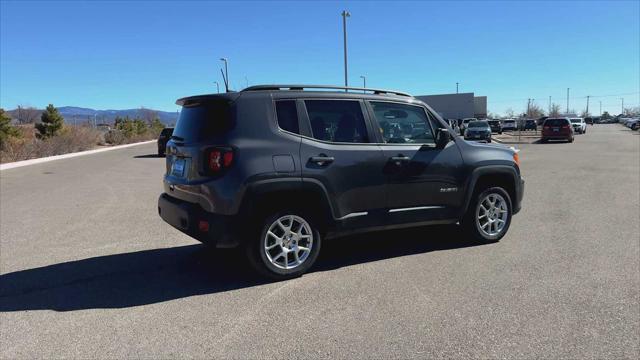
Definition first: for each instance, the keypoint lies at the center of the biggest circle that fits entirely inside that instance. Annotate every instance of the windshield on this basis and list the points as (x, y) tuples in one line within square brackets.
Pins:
[(478, 124), (576, 120), (510, 122)]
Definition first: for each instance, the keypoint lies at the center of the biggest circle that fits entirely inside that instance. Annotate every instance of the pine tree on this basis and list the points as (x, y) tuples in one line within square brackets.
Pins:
[(6, 130), (51, 123)]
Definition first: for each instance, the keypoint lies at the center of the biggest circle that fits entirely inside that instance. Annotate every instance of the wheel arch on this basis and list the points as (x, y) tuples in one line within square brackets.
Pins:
[(482, 177)]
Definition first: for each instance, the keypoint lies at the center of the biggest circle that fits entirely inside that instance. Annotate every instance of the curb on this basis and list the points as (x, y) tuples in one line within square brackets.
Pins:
[(17, 164)]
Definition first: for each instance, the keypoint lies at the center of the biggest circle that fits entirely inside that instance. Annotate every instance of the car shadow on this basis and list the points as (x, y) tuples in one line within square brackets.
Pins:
[(148, 156), (152, 276)]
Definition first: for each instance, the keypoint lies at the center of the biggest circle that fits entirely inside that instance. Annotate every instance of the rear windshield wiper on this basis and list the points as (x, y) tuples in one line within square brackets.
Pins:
[(177, 138)]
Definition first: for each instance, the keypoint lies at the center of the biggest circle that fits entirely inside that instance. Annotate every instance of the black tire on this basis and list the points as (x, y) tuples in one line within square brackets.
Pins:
[(570, 139), (256, 253), (469, 223)]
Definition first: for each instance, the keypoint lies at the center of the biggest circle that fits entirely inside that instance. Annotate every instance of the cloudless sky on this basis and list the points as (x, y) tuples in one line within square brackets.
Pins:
[(117, 55)]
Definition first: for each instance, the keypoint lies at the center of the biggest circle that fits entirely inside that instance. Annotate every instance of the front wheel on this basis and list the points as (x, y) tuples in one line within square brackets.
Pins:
[(287, 245), (489, 215)]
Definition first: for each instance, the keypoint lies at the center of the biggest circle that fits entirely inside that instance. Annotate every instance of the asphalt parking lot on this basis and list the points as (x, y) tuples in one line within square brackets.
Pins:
[(88, 270)]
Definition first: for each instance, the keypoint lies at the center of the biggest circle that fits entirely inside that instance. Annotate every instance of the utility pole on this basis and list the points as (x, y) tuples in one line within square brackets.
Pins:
[(600, 107), (456, 88), (226, 74), (345, 15), (549, 106), (567, 101), (588, 96), (622, 107), (528, 106)]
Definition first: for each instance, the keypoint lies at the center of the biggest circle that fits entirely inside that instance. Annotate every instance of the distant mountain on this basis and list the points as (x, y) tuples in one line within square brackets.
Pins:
[(74, 114)]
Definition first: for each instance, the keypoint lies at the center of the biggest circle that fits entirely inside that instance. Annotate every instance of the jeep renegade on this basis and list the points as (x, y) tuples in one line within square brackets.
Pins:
[(277, 169)]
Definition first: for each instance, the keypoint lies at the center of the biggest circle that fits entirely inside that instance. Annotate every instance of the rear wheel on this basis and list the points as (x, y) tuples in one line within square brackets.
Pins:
[(489, 215), (286, 246)]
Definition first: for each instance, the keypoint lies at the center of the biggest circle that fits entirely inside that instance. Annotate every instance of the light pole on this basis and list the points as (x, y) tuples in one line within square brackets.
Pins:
[(622, 107), (588, 96), (549, 106), (567, 101), (217, 87), (456, 88), (364, 81), (226, 74), (345, 15), (600, 107)]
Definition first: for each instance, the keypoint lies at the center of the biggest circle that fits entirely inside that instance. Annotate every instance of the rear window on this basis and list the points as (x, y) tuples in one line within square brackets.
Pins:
[(575, 121), (478, 124), (555, 122), (287, 114), (201, 121)]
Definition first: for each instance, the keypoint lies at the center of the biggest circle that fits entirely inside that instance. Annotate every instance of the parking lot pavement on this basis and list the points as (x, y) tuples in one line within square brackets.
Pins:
[(88, 270)]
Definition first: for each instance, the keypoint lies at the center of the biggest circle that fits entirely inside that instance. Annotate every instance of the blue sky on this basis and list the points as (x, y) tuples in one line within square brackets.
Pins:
[(114, 54)]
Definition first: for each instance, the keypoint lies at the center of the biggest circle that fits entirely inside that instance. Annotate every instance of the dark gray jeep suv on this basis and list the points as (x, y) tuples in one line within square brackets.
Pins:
[(278, 169)]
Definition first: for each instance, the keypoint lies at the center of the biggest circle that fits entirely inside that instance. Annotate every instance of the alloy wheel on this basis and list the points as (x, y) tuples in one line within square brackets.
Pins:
[(288, 242)]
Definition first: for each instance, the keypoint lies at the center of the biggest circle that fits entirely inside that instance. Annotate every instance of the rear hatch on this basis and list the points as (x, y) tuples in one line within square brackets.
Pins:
[(555, 126), (203, 126)]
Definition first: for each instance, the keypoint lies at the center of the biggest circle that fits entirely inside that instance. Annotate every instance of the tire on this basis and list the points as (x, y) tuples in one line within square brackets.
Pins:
[(489, 140), (570, 139), (271, 263), (474, 224)]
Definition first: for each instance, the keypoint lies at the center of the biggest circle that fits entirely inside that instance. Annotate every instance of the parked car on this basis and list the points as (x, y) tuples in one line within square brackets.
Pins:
[(632, 124), (463, 124), (509, 124), (453, 123), (478, 130), (164, 137), (557, 129), (496, 126), (274, 169), (579, 125), (529, 125)]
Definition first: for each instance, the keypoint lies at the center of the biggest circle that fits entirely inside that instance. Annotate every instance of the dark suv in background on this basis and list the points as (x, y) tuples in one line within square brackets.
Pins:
[(277, 169), (163, 139)]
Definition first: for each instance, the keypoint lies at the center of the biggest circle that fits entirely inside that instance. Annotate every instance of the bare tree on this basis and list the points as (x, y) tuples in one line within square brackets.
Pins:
[(555, 110), (148, 115), (27, 115), (584, 113), (632, 111), (509, 113), (535, 111)]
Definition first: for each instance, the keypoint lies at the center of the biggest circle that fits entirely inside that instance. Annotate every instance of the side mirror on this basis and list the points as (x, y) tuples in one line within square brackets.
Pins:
[(442, 138)]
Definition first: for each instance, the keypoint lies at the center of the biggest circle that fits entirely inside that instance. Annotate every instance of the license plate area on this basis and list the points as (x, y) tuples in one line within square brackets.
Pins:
[(177, 168)]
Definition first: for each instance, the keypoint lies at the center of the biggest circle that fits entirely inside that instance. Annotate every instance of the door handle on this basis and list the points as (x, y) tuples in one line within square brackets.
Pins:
[(322, 160), (400, 159)]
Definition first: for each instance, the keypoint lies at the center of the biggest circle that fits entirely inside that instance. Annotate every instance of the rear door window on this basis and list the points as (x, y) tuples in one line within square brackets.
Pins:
[(401, 123), (202, 121), (555, 122), (287, 114), (338, 121)]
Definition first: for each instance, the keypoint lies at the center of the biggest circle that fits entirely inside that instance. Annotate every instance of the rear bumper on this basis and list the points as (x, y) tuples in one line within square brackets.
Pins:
[(187, 217), (556, 137)]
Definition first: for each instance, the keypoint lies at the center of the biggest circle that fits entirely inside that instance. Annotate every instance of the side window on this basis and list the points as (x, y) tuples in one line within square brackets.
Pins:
[(337, 121), (287, 115), (400, 123)]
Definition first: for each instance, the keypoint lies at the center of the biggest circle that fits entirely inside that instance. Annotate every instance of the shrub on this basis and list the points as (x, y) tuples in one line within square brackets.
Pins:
[(6, 130)]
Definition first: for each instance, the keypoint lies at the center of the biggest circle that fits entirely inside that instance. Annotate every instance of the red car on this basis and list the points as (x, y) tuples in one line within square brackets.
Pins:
[(557, 129)]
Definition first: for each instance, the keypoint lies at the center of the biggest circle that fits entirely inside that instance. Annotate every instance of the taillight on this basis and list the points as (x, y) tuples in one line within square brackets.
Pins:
[(546, 128), (218, 159), (565, 126)]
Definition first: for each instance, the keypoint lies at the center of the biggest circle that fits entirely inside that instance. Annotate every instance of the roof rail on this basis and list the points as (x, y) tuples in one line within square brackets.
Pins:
[(332, 87)]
